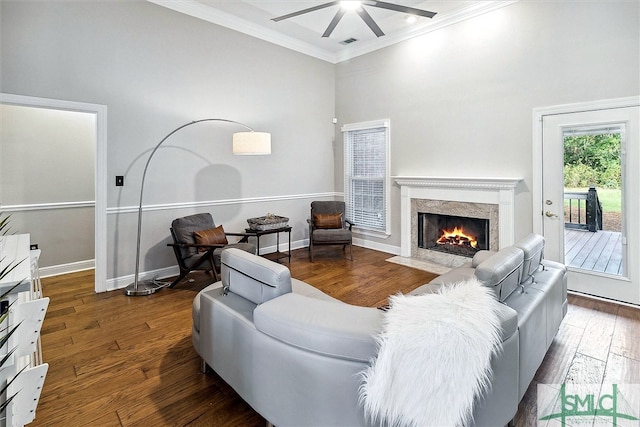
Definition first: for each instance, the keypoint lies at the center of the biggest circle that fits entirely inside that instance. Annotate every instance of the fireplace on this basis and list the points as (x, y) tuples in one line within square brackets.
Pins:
[(452, 234), (491, 199)]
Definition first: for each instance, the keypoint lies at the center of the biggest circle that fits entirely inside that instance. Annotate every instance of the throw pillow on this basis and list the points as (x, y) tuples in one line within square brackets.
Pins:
[(212, 236), (328, 220)]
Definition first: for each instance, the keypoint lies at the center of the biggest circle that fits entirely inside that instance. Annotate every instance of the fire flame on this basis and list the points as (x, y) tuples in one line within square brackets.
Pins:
[(457, 237)]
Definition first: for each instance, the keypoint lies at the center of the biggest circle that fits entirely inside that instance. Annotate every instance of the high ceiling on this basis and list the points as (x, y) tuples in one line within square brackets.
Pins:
[(303, 33)]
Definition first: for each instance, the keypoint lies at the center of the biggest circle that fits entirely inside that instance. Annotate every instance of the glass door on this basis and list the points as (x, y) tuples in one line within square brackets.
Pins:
[(591, 192)]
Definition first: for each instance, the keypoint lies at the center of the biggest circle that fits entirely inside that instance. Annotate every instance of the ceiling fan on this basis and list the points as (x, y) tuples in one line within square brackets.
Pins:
[(358, 7)]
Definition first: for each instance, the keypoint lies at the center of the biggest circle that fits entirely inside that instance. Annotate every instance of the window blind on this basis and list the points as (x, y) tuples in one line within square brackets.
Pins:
[(366, 176)]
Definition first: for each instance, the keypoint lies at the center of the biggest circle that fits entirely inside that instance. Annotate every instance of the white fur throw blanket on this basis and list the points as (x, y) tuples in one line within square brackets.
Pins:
[(434, 357)]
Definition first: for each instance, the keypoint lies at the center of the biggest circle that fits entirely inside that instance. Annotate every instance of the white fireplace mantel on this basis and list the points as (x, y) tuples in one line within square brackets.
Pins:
[(500, 191)]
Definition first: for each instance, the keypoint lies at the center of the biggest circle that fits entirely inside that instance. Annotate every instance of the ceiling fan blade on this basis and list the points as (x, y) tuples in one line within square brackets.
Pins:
[(398, 8), (369, 21), (332, 25), (303, 11)]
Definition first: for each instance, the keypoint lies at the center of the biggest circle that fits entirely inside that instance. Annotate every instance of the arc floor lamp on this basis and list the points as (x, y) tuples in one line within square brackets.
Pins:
[(244, 143)]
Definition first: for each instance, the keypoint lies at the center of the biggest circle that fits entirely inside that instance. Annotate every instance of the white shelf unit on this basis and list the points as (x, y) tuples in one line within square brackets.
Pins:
[(22, 374)]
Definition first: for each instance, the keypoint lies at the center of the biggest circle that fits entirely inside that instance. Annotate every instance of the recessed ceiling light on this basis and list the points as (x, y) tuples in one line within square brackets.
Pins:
[(411, 19)]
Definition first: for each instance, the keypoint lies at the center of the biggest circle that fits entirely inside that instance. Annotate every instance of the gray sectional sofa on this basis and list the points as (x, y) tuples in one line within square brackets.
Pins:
[(294, 353)]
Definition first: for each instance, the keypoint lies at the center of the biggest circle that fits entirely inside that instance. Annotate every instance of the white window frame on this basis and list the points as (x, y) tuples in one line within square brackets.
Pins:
[(347, 131)]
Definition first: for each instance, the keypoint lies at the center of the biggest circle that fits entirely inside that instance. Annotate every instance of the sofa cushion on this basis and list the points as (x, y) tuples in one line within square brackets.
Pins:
[(533, 248), (501, 271), (301, 288), (253, 277), (532, 327), (324, 327), (552, 283), (458, 274)]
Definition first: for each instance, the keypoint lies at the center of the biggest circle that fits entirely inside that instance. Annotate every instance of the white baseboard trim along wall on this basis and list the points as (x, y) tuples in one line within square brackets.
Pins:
[(391, 250), (72, 267), (163, 273)]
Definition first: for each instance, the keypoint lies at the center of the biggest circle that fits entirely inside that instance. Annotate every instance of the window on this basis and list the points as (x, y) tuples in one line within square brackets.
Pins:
[(366, 181)]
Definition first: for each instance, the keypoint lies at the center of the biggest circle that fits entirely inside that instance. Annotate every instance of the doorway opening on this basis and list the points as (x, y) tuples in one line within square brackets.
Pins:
[(100, 203)]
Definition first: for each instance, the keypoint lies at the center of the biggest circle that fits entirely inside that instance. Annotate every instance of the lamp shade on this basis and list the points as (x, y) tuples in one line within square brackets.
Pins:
[(251, 143)]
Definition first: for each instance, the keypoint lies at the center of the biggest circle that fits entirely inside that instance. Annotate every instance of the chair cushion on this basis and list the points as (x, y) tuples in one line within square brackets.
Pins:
[(334, 235), (332, 220), (211, 236), (183, 229), (327, 206)]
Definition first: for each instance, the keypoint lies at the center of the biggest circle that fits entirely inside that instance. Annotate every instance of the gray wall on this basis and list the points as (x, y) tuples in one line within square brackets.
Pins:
[(156, 69), (46, 168), (460, 100)]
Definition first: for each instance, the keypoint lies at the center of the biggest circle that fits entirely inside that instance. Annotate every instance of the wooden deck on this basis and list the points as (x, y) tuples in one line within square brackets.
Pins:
[(600, 251)]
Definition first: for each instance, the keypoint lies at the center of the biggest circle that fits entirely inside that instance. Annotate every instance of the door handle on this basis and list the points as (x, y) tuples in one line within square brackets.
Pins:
[(550, 214)]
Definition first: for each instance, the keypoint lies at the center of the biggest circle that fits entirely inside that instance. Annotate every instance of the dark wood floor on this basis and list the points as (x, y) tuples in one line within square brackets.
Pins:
[(128, 361)]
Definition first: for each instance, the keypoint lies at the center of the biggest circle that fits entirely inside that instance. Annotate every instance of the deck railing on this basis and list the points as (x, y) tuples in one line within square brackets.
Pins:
[(583, 210)]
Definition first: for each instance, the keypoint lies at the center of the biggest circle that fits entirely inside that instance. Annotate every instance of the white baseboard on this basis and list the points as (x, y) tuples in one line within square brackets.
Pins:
[(72, 267), (394, 250), (124, 281), (284, 247), (161, 273)]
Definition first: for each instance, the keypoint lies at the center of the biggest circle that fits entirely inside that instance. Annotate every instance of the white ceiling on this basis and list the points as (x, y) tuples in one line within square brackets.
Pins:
[(303, 33)]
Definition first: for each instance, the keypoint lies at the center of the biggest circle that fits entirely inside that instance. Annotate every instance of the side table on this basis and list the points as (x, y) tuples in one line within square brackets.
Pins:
[(273, 256)]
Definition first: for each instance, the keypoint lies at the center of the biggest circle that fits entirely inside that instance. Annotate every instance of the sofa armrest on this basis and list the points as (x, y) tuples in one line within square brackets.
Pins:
[(331, 329)]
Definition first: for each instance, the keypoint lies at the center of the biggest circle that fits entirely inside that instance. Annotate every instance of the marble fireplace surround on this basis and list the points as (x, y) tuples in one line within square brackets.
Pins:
[(488, 198)]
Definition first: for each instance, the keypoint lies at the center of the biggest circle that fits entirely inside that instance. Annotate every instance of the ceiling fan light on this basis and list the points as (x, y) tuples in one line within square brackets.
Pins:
[(350, 5)]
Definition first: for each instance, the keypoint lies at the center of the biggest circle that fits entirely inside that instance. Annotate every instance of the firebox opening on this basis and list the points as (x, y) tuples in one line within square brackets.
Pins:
[(452, 234)]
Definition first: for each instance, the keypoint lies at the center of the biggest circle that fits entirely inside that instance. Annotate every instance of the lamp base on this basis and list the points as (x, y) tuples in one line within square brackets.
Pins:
[(145, 287)]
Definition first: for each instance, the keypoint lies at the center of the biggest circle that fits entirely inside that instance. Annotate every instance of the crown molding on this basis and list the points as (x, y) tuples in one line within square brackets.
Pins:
[(477, 9), (210, 14), (199, 10)]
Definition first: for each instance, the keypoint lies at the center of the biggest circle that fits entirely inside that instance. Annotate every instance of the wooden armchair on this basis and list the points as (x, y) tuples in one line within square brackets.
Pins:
[(198, 243), (328, 226)]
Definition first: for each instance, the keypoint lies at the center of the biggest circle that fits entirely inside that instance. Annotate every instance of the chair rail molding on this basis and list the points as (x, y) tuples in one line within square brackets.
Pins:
[(47, 206), (209, 203)]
